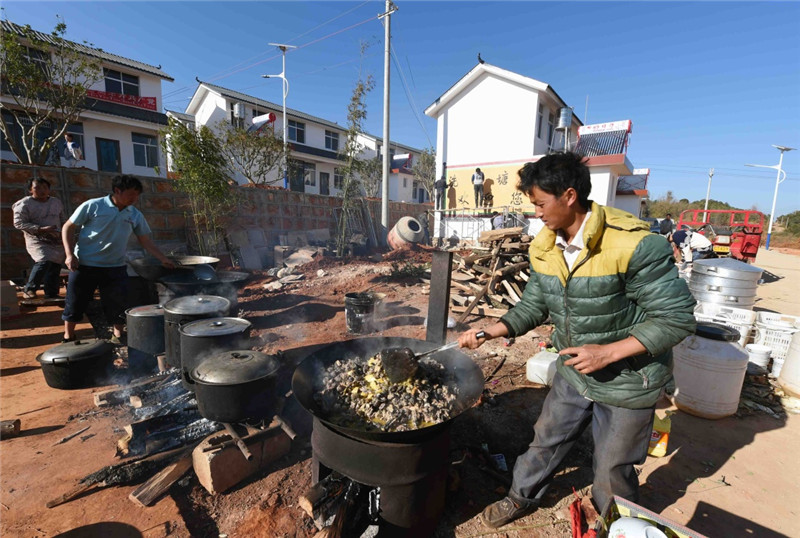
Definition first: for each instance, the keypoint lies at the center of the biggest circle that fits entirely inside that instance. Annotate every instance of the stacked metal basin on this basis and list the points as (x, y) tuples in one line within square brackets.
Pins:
[(725, 281)]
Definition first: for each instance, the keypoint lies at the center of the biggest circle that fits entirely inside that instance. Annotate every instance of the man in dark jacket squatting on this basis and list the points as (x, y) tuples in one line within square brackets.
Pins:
[(618, 307)]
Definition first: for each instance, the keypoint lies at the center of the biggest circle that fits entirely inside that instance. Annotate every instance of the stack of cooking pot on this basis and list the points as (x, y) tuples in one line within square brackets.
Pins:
[(184, 310), (725, 281), (205, 337)]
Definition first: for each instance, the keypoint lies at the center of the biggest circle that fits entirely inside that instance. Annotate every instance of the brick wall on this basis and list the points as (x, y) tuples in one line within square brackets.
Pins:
[(276, 211)]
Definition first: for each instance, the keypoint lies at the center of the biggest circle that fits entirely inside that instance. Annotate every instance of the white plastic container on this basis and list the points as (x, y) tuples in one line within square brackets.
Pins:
[(709, 369), (541, 368), (758, 358), (789, 375)]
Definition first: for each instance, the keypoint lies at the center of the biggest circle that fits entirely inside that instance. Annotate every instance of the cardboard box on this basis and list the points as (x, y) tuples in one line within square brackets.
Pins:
[(619, 507)]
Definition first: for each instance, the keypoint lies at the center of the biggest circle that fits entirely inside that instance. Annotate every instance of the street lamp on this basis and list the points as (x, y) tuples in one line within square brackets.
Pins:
[(778, 181), (282, 76)]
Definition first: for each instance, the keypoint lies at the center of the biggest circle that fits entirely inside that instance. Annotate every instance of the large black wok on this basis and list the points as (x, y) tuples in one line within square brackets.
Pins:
[(462, 372), (151, 269)]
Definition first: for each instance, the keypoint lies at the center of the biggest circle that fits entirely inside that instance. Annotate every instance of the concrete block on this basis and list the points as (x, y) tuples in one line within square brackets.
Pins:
[(221, 469), (280, 253), (256, 237), (239, 238), (249, 258)]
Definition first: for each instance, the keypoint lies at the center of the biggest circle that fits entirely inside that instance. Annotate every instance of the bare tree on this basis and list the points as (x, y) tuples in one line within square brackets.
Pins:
[(370, 171), (47, 77)]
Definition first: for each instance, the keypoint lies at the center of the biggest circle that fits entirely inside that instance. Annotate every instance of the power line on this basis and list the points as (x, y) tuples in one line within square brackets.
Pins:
[(409, 97)]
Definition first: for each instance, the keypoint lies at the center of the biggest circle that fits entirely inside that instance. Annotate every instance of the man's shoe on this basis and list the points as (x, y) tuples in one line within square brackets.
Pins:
[(29, 294), (505, 511)]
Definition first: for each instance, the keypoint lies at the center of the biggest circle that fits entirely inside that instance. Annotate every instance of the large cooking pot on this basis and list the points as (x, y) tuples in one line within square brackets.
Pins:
[(462, 373), (236, 385), (184, 310), (145, 336), (727, 268), (205, 337), (186, 283), (78, 364), (150, 268)]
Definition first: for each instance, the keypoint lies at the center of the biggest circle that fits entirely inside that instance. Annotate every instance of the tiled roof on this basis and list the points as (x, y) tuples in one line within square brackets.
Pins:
[(261, 103), (181, 115), (393, 143), (8, 26)]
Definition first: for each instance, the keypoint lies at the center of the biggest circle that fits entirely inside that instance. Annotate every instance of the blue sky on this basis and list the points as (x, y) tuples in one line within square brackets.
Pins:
[(706, 84)]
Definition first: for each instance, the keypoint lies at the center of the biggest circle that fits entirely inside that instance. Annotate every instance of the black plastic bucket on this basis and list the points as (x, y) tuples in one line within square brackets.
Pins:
[(359, 310)]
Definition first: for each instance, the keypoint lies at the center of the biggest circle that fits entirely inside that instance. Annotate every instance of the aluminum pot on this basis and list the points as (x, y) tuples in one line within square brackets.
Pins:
[(206, 337), (78, 364), (237, 385), (182, 284), (727, 268), (184, 310), (145, 336)]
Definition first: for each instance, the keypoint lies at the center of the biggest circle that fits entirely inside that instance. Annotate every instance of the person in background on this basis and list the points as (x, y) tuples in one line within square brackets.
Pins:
[(40, 216), (688, 245), (477, 184), (666, 224), (618, 307), (497, 221), (72, 151), (96, 257), (440, 186)]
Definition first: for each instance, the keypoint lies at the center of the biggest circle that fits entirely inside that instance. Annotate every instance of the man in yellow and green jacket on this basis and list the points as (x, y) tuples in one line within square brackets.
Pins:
[(613, 293)]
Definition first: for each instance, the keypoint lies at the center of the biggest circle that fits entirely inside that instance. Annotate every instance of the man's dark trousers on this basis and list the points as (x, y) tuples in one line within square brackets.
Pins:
[(621, 438)]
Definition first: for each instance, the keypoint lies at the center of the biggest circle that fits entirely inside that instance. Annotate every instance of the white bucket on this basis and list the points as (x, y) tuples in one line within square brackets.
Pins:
[(789, 378), (708, 376), (758, 358)]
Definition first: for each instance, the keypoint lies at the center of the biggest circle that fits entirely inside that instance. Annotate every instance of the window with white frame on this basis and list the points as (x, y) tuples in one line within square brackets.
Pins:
[(123, 83), (39, 58), (414, 186), (551, 125), (76, 130), (331, 140), (338, 179), (297, 131), (145, 150), (539, 122)]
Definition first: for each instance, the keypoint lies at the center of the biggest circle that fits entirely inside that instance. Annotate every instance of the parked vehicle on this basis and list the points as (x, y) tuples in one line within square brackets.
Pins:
[(733, 233), (654, 224)]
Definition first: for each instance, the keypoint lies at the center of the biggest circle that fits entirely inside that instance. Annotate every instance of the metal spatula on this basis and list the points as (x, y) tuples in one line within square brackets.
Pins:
[(401, 363)]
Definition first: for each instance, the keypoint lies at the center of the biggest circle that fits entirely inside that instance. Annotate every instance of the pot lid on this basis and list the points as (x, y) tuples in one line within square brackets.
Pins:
[(87, 348), (716, 331), (235, 367), (215, 327), (727, 267), (146, 311), (198, 304)]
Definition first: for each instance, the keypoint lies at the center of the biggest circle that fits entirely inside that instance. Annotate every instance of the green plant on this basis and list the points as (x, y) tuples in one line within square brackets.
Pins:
[(253, 154), (408, 269)]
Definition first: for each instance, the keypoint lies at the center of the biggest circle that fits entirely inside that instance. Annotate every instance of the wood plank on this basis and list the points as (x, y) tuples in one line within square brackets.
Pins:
[(523, 275), (517, 290), (158, 484), (123, 393), (482, 311), (514, 297), (461, 277), (496, 235), (459, 299)]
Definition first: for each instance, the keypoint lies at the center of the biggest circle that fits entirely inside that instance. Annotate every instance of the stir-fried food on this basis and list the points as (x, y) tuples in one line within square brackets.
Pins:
[(357, 394)]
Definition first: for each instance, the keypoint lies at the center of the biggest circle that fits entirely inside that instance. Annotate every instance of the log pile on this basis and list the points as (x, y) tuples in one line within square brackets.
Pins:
[(491, 279)]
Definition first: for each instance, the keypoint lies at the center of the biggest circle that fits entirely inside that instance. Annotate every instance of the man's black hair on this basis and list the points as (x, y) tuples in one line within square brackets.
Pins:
[(556, 173), (33, 180), (124, 182)]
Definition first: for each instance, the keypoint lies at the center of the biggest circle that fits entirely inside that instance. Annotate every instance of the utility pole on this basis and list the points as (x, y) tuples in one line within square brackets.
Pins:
[(708, 191), (282, 76), (387, 26), (778, 181)]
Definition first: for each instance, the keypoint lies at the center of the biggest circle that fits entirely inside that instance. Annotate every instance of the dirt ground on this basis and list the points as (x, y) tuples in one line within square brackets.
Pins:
[(731, 477)]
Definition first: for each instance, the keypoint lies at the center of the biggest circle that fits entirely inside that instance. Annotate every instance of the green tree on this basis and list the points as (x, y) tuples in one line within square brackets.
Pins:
[(370, 172), (201, 169), (424, 170), (351, 188), (47, 77), (253, 154)]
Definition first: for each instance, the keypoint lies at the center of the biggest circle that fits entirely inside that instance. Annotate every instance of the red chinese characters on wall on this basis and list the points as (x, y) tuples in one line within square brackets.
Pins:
[(148, 103)]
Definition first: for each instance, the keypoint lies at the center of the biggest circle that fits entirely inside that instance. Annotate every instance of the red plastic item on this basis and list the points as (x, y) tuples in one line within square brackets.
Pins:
[(578, 520)]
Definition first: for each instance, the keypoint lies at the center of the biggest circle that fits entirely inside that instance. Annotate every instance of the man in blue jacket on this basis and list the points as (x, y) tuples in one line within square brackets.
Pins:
[(618, 307), (96, 257)]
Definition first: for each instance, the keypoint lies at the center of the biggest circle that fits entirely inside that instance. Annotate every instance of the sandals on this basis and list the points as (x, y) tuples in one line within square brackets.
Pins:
[(67, 340)]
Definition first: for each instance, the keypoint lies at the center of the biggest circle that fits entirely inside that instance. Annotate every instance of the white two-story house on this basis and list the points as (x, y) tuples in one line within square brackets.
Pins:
[(498, 120), (119, 130), (314, 144)]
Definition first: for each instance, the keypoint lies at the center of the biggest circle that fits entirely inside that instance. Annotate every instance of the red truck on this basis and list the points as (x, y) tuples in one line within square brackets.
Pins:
[(733, 233)]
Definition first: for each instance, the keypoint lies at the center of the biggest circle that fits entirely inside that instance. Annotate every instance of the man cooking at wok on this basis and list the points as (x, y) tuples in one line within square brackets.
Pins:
[(612, 291)]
